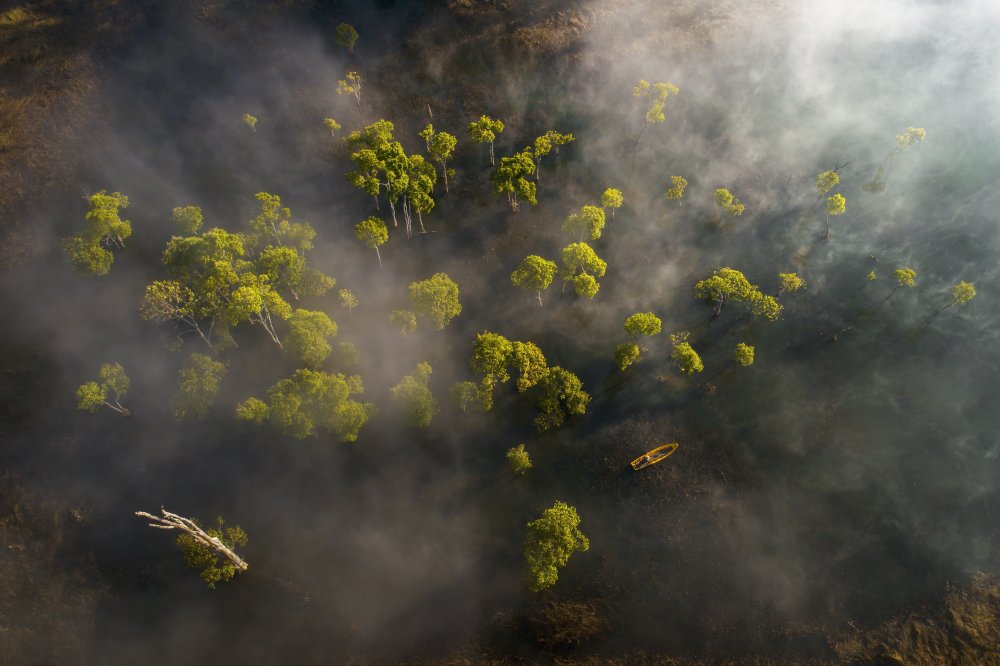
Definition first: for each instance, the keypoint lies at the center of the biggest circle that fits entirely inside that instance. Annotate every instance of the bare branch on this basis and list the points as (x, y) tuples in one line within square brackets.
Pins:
[(171, 521)]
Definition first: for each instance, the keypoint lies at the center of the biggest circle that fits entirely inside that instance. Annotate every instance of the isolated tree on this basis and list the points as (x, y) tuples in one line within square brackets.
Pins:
[(209, 552), (626, 354), (961, 293), (904, 141), (826, 181), (436, 298), (529, 361), (440, 146), (510, 177), (588, 222), (308, 335), (656, 97), (86, 250), (311, 401), (188, 219), (905, 277), (744, 354), (350, 85), (519, 460), (579, 265), (562, 396), (333, 126), (486, 130), (643, 323), (730, 285), (109, 389), (534, 274), (415, 398), (345, 35), (348, 299), (835, 205), (251, 121), (684, 356), (373, 233), (549, 543), (725, 200), (676, 191), (545, 144), (612, 198), (198, 386), (789, 282), (404, 320)]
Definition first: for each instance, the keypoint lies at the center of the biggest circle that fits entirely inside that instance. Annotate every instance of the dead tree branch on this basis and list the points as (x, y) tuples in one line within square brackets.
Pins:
[(171, 521)]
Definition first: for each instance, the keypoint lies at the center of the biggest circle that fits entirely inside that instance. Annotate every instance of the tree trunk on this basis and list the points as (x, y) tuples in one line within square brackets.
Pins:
[(171, 521), (444, 168), (492, 162), (379, 255), (539, 294)]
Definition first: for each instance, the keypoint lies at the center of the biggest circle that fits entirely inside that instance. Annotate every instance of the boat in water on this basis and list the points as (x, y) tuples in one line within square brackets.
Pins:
[(656, 455)]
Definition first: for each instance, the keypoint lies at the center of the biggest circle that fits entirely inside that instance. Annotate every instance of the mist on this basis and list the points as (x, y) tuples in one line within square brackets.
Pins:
[(846, 478)]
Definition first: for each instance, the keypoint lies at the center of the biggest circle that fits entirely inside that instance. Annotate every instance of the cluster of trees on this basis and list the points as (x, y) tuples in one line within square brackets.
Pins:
[(728, 285), (637, 326), (494, 357), (836, 204), (511, 176)]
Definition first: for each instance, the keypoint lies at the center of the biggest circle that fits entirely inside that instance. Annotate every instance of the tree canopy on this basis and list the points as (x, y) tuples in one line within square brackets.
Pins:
[(486, 130), (684, 356), (510, 177), (519, 460), (586, 222), (436, 298), (534, 274), (676, 190), (207, 561), (549, 543), (345, 35), (744, 354), (725, 200), (730, 285), (85, 250), (109, 389), (198, 386), (307, 336), (414, 397), (579, 265), (643, 323), (311, 401)]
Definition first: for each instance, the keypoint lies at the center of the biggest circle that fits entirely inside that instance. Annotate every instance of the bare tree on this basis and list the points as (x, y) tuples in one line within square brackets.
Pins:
[(171, 521)]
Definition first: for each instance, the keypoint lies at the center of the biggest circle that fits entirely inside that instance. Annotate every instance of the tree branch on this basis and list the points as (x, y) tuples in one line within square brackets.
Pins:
[(171, 521)]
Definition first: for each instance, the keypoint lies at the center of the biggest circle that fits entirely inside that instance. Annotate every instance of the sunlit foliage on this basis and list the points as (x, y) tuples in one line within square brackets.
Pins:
[(613, 199), (332, 125), (730, 285), (350, 85), (309, 402), (440, 146), (188, 219), (588, 222), (510, 177), (676, 191), (213, 567), (684, 356), (905, 277), (251, 121), (308, 335), (86, 250), (562, 396), (725, 200), (111, 386), (348, 299), (790, 283), (744, 354), (579, 265), (404, 320), (826, 181), (626, 354), (345, 35), (963, 292), (550, 541), (373, 233), (534, 274), (436, 298), (486, 130)]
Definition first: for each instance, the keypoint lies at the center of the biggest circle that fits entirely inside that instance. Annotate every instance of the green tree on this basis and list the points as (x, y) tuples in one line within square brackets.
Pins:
[(373, 233), (345, 35), (906, 277), (519, 460), (486, 130), (655, 97), (206, 560), (414, 397), (307, 337), (491, 356), (404, 320), (350, 85), (904, 141), (188, 219), (730, 285), (562, 395), (626, 354), (436, 298), (198, 386), (85, 250), (676, 192), (109, 389), (549, 543), (440, 146), (826, 181), (579, 265), (684, 356), (273, 226), (643, 323), (835, 205), (789, 282), (251, 121), (510, 177), (465, 395), (530, 363), (534, 274), (332, 125), (588, 221), (346, 356), (961, 293), (545, 144), (744, 354), (285, 269), (724, 199), (312, 401), (348, 299), (612, 198)]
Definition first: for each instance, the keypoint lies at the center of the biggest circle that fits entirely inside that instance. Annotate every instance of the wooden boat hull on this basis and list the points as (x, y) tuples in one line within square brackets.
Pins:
[(659, 454)]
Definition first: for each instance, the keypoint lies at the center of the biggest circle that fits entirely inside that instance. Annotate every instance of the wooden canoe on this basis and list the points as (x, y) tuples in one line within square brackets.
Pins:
[(656, 455)]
